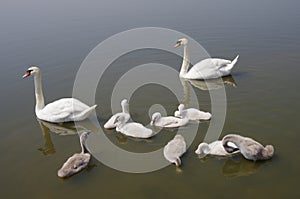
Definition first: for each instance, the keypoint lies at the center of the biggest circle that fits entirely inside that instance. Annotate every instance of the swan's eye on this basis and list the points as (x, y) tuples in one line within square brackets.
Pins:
[(74, 167), (29, 71)]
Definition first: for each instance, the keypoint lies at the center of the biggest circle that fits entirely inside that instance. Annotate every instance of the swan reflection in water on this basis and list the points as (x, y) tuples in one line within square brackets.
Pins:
[(63, 129), (239, 166), (209, 84)]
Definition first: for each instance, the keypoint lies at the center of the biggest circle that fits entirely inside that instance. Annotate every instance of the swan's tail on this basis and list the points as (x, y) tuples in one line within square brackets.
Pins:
[(85, 114), (231, 65)]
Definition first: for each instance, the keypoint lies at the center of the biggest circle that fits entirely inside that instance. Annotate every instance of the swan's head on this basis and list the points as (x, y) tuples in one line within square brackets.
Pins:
[(203, 149), (181, 42), (33, 70), (156, 116)]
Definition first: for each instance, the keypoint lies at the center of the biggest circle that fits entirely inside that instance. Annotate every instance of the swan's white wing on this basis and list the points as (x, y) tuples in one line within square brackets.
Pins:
[(219, 63), (62, 110), (207, 68)]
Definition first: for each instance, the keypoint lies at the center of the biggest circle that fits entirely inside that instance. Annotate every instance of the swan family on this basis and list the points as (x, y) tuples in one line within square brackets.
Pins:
[(71, 109)]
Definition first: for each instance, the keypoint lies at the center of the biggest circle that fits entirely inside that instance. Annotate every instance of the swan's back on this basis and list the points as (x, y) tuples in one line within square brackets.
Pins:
[(209, 68), (74, 164), (195, 114), (175, 148), (137, 130), (64, 110)]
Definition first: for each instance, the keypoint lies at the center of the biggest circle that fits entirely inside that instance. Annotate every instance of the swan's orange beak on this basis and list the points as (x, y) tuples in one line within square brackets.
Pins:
[(26, 74), (178, 43)]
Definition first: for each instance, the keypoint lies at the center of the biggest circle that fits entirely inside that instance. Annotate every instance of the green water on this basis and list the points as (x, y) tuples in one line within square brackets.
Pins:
[(57, 37)]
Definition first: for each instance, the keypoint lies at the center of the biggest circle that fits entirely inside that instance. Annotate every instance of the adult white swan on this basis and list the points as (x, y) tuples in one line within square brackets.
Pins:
[(169, 121), (175, 149), (215, 148), (132, 129), (250, 149), (110, 123), (192, 113), (206, 69), (76, 162), (62, 110)]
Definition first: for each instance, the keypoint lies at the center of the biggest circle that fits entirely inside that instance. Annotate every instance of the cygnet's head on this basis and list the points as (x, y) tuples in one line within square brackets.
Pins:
[(33, 70), (177, 114), (203, 149), (124, 102), (156, 116), (84, 136), (119, 120), (269, 151), (181, 42), (181, 107)]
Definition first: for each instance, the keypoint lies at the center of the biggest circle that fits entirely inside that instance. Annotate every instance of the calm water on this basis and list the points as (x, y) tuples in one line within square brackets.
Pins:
[(57, 37)]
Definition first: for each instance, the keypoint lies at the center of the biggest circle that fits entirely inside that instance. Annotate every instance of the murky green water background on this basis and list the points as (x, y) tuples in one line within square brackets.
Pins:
[(57, 36)]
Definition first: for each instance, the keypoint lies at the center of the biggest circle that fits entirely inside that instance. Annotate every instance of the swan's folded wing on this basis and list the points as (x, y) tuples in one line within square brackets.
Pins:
[(219, 63)]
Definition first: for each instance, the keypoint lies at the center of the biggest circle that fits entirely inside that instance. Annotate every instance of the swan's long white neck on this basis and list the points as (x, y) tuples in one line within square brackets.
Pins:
[(185, 61), (39, 97)]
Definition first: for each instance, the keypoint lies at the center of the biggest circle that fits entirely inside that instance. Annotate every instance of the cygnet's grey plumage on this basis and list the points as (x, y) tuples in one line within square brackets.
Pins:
[(249, 148), (76, 162)]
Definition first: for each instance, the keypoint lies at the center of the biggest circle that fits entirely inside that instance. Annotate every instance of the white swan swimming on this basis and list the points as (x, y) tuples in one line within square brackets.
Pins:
[(62, 110), (132, 129), (215, 148), (167, 122), (192, 113), (76, 162), (110, 123), (206, 69), (175, 149), (249, 148)]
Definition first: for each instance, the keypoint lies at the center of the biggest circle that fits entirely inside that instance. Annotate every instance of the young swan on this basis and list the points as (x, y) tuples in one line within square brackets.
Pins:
[(62, 110), (192, 113), (249, 148), (215, 148), (76, 162), (175, 149), (168, 122), (110, 123), (132, 129)]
